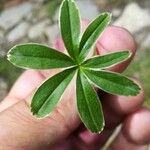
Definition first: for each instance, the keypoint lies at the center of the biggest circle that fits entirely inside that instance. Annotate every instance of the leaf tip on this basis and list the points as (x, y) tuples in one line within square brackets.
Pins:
[(8, 57), (99, 131), (137, 89), (10, 52), (35, 113), (128, 53), (39, 116), (108, 16)]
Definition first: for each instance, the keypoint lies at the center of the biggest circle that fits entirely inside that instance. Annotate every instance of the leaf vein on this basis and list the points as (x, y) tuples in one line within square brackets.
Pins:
[(89, 109)]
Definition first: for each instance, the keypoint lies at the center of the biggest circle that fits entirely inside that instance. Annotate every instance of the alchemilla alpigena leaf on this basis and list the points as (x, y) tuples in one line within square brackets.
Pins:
[(38, 56), (70, 26), (92, 33), (90, 72), (101, 62), (88, 104), (112, 82), (48, 95)]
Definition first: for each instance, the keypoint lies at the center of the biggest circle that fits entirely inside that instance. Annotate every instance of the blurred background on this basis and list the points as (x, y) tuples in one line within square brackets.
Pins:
[(37, 21)]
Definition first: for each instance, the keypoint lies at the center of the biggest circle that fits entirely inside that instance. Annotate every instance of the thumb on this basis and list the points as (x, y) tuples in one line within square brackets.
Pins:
[(31, 133), (116, 39)]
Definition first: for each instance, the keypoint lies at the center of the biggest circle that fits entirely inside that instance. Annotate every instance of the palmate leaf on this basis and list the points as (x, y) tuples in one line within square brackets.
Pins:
[(41, 57), (70, 26), (101, 62), (92, 33), (36, 56), (113, 83), (89, 105), (50, 92)]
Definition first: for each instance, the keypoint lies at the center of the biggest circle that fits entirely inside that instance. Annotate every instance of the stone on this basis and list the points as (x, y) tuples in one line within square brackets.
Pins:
[(146, 42), (116, 12), (37, 31), (134, 18), (51, 33), (87, 9), (3, 88), (3, 44), (56, 15), (12, 16), (101, 3), (38, 1), (1, 37), (141, 38), (18, 32)]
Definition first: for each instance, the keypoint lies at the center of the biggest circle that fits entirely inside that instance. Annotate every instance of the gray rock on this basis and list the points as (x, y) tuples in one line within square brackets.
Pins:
[(38, 1), (87, 8), (146, 42), (3, 88), (1, 37), (134, 18), (2, 53), (37, 31), (30, 17), (116, 12), (2, 44), (56, 15), (18, 32), (10, 17), (141, 38), (1, 34), (51, 33)]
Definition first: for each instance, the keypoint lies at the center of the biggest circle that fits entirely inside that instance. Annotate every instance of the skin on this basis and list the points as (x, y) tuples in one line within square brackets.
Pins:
[(63, 130)]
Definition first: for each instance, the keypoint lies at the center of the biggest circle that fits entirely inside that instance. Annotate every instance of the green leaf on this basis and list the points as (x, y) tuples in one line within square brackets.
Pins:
[(70, 26), (92, 33), (113, 83), (37, 56), (101, 62), (89, 105), (50, 92)]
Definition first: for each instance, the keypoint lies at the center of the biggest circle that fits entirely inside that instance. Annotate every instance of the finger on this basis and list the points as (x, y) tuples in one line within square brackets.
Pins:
[(116, 39), (32, 133), (136, 127), (135, 133), (29, 81), (115, 109), (122, 143), (124, 105), (24, 86)]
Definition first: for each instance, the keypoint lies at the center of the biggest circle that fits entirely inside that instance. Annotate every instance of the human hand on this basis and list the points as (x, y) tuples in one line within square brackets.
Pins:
[(62, 130)]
